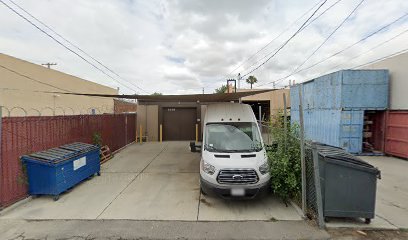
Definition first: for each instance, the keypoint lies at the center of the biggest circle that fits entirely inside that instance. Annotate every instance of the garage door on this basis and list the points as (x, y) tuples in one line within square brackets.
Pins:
[(179, 124)]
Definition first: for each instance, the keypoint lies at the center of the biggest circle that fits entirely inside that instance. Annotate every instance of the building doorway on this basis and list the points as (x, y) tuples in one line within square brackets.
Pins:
[(373, 131), (261, 109), (179, 124)]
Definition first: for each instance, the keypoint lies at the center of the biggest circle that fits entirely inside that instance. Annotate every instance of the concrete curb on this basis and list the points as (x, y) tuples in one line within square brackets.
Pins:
[(297, 208)]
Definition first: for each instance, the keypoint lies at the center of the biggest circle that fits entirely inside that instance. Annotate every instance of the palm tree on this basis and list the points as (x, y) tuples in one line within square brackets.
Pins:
[(221, 89), (251, 80)]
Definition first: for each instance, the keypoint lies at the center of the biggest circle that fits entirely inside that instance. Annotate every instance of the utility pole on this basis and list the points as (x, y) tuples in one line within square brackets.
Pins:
[(49, 65), (239, 86), (239, 80), (203, 90)]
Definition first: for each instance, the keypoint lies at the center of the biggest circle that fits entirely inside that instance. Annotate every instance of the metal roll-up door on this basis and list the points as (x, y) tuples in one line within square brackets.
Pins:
[(179, 124)]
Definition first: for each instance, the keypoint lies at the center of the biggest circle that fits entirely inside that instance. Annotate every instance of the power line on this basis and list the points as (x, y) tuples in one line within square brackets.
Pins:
[(361, 40), (331, 34), (343, 50), (63, 45), (72, 44), (273, 40), (327, 9), (376, 46), (382, 58), (32, 79), (372, 61), (284, 31), (286, 42), (309, 23)]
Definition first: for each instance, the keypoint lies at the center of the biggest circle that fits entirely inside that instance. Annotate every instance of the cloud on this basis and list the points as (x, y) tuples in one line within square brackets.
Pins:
[(181, 46)]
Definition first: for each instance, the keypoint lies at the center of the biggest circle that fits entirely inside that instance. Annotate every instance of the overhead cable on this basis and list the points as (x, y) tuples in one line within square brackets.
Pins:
[(63, 45), (286, 42)]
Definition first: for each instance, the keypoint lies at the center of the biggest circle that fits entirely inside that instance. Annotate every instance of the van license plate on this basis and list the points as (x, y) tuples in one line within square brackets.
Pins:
[(238, 192)]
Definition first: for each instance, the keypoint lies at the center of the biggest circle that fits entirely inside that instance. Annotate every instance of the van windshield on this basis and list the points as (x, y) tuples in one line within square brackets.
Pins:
[(232, 137)]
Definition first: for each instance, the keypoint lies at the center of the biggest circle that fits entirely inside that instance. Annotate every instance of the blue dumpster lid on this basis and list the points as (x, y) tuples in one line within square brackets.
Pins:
[(53, 155), (79, 147), (60, 154)]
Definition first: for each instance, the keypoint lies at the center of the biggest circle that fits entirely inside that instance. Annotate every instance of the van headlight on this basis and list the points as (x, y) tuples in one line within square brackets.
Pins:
[(264, 168), (208, 168)]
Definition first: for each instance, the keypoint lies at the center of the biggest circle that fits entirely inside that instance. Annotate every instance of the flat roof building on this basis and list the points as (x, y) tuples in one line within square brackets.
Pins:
[(23, 85)]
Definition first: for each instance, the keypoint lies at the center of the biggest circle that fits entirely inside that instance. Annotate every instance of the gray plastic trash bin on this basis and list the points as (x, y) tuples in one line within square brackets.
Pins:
[(348, 184)]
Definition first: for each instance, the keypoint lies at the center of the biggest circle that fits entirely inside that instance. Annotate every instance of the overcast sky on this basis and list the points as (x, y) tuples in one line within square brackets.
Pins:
[(178, 47)]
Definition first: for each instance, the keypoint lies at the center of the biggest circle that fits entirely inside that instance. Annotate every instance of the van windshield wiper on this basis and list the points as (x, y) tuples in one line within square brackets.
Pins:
[(256, 147), (209, 147), (232, 151), (236, 150)]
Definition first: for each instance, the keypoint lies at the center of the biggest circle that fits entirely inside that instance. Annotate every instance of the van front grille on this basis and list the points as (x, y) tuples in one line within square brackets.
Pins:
[(237, 176)]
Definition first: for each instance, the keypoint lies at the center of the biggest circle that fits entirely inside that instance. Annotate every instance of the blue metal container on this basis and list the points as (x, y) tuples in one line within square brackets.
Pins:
[(334, 105), (53, 171)]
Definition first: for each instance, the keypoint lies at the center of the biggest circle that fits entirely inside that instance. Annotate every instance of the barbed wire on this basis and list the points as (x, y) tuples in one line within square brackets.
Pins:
[(18, 111)]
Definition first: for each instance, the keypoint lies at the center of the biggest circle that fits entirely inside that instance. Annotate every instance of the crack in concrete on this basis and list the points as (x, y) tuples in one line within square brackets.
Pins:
[(198, 205), (398, 206), (138, 174), (389, 222)]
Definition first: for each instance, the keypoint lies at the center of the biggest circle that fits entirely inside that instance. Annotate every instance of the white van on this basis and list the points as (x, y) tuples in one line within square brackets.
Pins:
[(233, 157)]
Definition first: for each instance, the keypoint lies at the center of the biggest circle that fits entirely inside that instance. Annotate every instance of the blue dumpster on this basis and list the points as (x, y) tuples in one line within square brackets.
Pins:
[(55, 170)]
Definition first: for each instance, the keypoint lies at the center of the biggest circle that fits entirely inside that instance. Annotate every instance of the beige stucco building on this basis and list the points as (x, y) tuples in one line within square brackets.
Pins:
[(398, 69), (22, 87), (273, 100), (178, 119)]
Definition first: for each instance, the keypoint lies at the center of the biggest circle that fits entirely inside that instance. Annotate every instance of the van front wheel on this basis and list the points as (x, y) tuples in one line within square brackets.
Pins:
[(202, 191), (201, 188)]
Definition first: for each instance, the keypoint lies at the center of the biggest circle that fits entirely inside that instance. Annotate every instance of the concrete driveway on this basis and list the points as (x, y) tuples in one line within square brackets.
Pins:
[(392, 196), (152, 181)]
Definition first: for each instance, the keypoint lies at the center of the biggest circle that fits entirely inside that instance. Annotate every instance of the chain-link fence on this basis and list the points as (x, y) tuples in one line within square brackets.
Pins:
[(311, 201), (311, 197), (313, 194), (266, 133)]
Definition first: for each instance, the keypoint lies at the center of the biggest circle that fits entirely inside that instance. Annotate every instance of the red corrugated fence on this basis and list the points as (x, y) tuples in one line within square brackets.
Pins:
[(396, 134), (24, 135)]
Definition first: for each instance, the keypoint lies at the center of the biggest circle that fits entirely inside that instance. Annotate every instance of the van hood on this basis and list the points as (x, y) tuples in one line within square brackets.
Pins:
[(235, 160)]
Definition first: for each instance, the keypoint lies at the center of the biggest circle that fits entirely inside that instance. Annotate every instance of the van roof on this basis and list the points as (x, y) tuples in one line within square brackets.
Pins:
[(229, 112)]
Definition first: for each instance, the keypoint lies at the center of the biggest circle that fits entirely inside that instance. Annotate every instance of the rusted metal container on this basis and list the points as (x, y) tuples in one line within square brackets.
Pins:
[(25, 135), (396, 136)]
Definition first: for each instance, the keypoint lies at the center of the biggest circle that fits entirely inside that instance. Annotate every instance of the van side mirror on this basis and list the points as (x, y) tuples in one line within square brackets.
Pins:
[(195, 147), (271, 147), (192, 147)]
